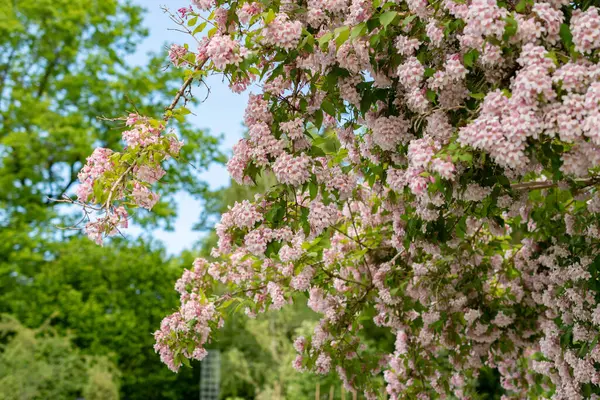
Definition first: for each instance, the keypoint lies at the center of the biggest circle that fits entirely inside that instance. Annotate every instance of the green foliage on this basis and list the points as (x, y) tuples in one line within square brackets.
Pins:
[(40, 364), (111, 299)]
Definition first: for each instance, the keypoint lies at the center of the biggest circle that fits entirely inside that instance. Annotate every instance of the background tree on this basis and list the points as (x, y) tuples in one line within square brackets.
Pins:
[(110, 299), (40, 364), (61, 68)]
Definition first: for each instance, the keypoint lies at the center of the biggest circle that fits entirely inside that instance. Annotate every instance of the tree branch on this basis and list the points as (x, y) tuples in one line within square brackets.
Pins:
[(181, 91), (114, 186), (47, 73), (549, 184)]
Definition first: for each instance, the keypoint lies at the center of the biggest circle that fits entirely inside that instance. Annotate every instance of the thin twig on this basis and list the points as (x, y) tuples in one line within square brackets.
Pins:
[(182, 90), (117, 182), (536, 185), (332, 275), (399, 254)]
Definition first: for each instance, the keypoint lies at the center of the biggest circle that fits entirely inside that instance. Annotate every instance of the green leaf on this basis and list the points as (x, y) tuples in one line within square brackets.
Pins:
[(308, 40), (313, 190), (374, 40), (186, 361), (511, 27), (270, 16), (199, 28), (317, 151), (318, 116), (192, 21), (470, 57), (566, 35), (184, 111), (467, 157), (387, 17), (521, 6), (342, 36), (431, 95), (276, 213), (273, 248), (358, 30), (328, 107), (98, 191), (503, 180), (408, 20), (552, 55), (324, 40)]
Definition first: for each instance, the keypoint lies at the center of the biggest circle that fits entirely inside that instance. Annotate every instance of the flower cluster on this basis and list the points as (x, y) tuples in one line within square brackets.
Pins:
[(177, 54), (97, 164), (142, 133), (224, 51), (438, 176), (282, 32), (109, 177), (108, 225)]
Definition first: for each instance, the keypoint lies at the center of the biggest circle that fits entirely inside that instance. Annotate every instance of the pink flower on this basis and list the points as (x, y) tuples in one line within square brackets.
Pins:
[(224, 51), (301, 282), (97, 164), (247, 11), (243, 215), (294, 128), (320, 216), (435, 33), (142, 134), (177, 54), (585, 27), (204, 5), (297, 364), (292, 170), (445, 168), (282, 32), (143, 197), (411, 73), (276, 294), (300, 344), (175, 145), (323, 364), (149, 174), (184, 12), (388, 132)]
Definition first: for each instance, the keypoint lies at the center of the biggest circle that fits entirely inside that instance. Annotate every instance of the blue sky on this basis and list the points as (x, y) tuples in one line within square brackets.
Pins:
[(221, 113)]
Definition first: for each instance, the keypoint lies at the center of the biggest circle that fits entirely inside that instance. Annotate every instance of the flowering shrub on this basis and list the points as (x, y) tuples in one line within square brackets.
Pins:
[(438, 171)]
